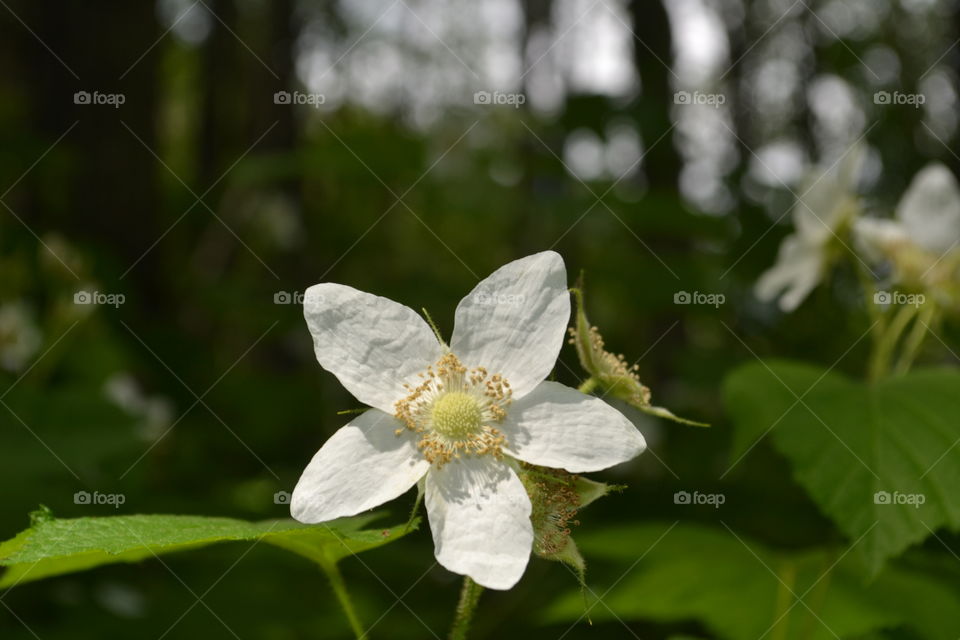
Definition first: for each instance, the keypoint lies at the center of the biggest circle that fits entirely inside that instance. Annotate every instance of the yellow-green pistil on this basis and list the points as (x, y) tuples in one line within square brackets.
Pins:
[(456, 415)]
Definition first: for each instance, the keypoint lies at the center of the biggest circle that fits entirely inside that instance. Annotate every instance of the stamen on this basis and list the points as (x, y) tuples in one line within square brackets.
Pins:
[(614, 365), (555, 503), (453, 411)]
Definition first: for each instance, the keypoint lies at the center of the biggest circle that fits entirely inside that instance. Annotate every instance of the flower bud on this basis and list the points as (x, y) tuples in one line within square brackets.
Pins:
[(556, 497), (610, 373)]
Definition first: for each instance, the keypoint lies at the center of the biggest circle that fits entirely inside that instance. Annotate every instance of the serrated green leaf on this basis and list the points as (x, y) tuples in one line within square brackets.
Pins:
[(732, 585), (847, 441), (54, 546)]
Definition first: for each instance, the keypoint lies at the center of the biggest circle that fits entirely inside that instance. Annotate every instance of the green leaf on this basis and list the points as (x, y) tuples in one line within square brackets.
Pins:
[(858, 449), (54, 546), (732, 585)]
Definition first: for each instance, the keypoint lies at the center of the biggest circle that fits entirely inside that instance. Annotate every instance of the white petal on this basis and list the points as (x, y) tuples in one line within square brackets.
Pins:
[(514, 321), (798, 270), (556, 426), (876, 238), (824, 197), (371, 344), (930, 209), (480, 518), (361, 466)]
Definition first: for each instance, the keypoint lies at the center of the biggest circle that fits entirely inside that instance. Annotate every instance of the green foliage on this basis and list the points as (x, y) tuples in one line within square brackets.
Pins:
[(857, 449), (739, 589), (55, 546)]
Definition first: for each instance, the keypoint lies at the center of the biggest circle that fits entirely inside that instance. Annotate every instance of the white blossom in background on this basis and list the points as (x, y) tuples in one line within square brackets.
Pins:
[(20, 338), (154, 413), (925, 230), (930, 210), (457, 418), (827, 201)]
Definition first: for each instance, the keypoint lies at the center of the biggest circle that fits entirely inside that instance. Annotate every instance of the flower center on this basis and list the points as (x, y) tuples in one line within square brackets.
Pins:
[(454, 409), (456, 415)]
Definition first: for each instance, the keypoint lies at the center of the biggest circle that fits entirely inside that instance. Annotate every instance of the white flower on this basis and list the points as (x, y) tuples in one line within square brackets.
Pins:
[(457, 417), (827, 201), (154, 413), (930, 209), (927, 217), (20, 338)]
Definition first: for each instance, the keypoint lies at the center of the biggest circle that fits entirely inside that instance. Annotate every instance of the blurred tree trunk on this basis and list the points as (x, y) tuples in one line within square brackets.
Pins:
[(282, 40), (652, 56), (536, 19), (98, 184), (221, 110), (247, 57)]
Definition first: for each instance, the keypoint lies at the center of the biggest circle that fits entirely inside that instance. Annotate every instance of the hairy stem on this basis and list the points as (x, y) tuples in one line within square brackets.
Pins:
[(469, 597), (587, 385), (343, 597)]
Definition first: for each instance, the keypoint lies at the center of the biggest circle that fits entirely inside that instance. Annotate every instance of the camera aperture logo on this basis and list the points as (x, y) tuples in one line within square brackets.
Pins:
[(499, 98), (886, 298), (912, 499), (112, 499), (97, 98), (696, 297), (298, 97), (281, 497), (712, 499), (96, 297)]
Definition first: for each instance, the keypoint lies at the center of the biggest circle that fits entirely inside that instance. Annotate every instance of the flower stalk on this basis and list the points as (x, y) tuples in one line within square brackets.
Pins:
[(880, 360), (343, 597), (915, 339), (470, 594)]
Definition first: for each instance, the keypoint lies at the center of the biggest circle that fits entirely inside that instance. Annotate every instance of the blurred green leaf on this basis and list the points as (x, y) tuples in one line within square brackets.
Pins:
[(54, 546), (739, 589), (858, 449)]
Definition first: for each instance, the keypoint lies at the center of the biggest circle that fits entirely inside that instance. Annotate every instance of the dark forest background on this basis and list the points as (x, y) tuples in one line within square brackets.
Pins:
[(200, 199)]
